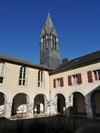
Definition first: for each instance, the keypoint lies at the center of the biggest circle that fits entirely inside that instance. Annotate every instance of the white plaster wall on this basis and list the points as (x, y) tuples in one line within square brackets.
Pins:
[(83, 88), (10, 86)]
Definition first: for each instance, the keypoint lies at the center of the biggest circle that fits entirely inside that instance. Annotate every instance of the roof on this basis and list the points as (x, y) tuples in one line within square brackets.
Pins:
[(69, 64), (49, 27), (21, 61)]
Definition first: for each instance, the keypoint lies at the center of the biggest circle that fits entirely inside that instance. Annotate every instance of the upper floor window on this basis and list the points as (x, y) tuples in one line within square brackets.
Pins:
[(2, 72), (58, 82), (22, 76), (74, 79), (40, 78), (93, 75)]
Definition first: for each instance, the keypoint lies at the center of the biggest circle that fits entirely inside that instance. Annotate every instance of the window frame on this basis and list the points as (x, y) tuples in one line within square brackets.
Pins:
[(58, 82), (93, 75), (2, 72), (22, 76), (75, 79), (40, 79)]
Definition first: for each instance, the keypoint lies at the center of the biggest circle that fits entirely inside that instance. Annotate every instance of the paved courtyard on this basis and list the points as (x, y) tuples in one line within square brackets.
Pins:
[(50, 124)]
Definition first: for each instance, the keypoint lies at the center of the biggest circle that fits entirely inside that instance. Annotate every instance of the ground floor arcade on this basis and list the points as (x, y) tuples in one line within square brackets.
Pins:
[(76, 104)]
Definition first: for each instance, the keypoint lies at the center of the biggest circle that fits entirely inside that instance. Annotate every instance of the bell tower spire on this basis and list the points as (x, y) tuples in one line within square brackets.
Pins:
[(49, 45)]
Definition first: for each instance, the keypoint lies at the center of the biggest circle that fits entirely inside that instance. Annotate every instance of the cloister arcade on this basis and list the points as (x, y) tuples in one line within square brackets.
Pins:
[(60, 103), (95, 101), (80, 104), (2, 102)]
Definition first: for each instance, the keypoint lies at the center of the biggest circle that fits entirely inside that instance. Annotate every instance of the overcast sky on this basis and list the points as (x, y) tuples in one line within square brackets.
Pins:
[(76, 21)]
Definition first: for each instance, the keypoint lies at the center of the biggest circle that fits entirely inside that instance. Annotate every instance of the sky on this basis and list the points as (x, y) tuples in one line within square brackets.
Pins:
[(76, 21)]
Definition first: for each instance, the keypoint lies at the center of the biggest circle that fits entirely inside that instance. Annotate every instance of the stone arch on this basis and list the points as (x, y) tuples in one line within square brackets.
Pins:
[(60, 103), (39, 103), (3, 99), (95, 102), (19, 103), (78, 103)]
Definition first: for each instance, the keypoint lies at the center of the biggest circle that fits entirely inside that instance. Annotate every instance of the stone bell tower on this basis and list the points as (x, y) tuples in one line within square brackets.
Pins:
[(49, 45)]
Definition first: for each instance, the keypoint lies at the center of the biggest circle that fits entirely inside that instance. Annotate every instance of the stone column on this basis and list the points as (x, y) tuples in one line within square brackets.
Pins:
[(8, 108), (30, 108), (67, 112), (88, 107), (45, 105), (69, 105), (54, 104)]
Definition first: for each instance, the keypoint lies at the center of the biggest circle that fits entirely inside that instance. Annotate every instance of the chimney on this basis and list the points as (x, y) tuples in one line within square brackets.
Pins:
[(64, 60)]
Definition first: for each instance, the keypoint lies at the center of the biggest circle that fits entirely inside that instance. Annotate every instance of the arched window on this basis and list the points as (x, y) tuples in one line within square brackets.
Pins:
[(2, 72), (40, 78), (22, 76)]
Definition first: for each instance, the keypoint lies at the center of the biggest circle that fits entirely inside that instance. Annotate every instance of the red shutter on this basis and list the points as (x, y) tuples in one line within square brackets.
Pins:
[(89, 73), (69, 80), (61, 82), (79, 78), (54, 83)]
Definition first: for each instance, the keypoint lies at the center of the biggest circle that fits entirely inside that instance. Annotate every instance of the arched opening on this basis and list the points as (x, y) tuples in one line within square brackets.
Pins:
[(79, 106), (95, 100), (2, 100), (60, 103), (39, 104), (19, 104)]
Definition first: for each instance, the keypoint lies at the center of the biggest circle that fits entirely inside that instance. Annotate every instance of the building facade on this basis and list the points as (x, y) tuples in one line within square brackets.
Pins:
[(70, 87)]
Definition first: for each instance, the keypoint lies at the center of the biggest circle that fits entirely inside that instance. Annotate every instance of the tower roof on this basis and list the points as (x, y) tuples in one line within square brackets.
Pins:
[(49, 27)]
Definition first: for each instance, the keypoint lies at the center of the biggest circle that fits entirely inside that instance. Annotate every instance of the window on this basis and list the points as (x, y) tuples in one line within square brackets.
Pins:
[(54, 42), (22, 76), (56, 39), (40, 79), (52, 45), (44, 42), (46, 36), (74, 79), (58, 82), (2, 72), (41, 40), (96, 75), (50, 36), (93, 75)]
